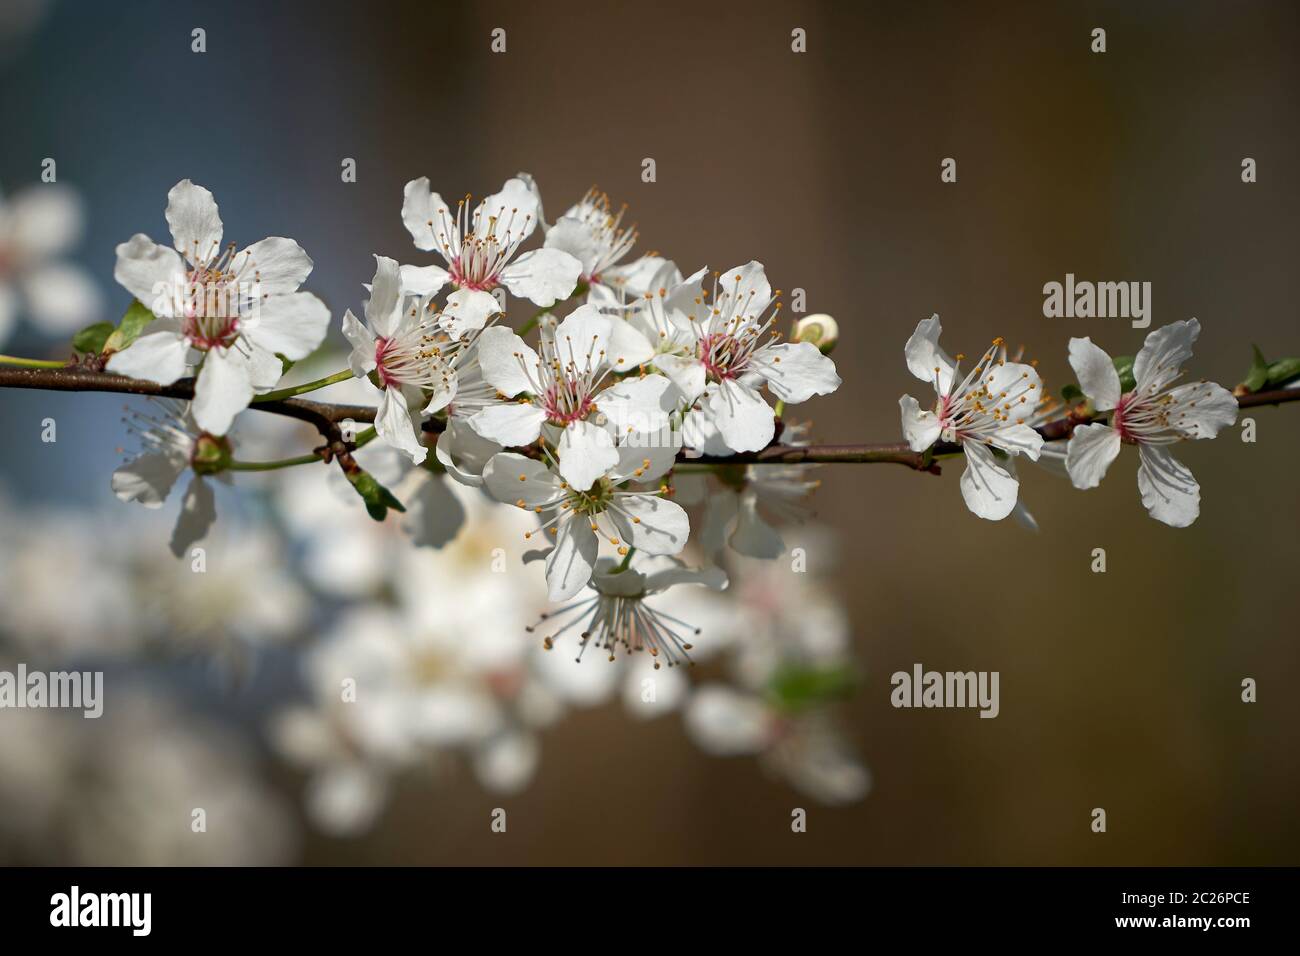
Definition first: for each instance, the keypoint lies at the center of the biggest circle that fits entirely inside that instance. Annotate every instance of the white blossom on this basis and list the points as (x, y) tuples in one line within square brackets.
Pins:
[(231, 312), (1153, 416)]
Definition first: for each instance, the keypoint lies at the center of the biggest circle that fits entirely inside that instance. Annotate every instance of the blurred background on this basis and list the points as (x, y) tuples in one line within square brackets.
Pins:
[(1118, 690)]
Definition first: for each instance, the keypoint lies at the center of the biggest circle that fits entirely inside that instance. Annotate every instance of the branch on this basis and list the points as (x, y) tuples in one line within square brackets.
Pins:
[(326, 417)]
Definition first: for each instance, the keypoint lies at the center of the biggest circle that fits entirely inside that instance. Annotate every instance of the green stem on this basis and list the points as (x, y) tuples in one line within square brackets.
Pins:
[(302, 389), (30, 363), (272, 465), (627, 559), (780, 408), (363, 438)]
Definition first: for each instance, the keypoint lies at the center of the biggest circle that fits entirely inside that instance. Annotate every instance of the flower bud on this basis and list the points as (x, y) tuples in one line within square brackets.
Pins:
[(820, 329)]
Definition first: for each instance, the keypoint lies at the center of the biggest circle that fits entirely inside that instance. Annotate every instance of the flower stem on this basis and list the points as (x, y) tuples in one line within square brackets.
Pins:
[(30, 363), (302, 389), (272, 465)]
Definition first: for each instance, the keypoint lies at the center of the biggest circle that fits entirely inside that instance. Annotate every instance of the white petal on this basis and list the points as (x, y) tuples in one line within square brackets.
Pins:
[(198, 511), (754, 536), (1091, 450), (743, 419), (1169, 491), (384, 307), (748, 286), (423, 280), (291, 325), (796, 371), (422, 214), (398, 427), (1202, 409), (194, 221), (583, 336), (627, 347), (1096, 374), (638, 404), (651, 524), (467, 310), (513, 212), (224, 389), (149, 478), (512, 478), (503, 357), (1018, 439), (920, 428), (362, 359), (987, 486), (570, 562), (154, 357), (512, 424), (434, 515), (1163, 354), (573, 236), (645, 457), (152, 273), (586, 452), (925, 359), (464, 453), (686, 372), (276, 264), (542, 276), (640, 276)]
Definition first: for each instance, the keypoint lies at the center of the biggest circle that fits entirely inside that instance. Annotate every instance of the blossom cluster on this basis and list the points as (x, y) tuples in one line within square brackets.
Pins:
[(634, 365)]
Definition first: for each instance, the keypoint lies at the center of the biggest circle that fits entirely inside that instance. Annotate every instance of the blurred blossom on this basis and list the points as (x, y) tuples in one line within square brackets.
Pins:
[(39, 225), (124, 789)]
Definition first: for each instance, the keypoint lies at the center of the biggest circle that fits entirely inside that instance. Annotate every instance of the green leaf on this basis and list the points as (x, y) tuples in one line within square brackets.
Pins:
[(378, 499), (1283, 371), (1124, 366), (1258, 373), (129, 329), (1072, 394), (91, 339), (796, 687)]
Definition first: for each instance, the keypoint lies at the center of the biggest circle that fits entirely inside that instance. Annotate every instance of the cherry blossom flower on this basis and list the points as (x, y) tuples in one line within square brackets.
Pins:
[(579, 517), (413, 351), (558, 392), (38, 226), (594, 234), (988, 411), (480, 248), (239, 310), (730, 359), (621, 609), (171, 443), (1154, 415)]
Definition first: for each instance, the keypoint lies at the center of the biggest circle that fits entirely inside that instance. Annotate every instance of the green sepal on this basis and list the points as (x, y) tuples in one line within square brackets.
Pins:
[(1258, 373), (1283, 371), (91, 339), (129, 329), (1124, 368)]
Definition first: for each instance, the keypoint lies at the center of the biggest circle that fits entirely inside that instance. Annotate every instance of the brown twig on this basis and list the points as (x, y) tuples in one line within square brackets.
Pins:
[(326, 418)]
